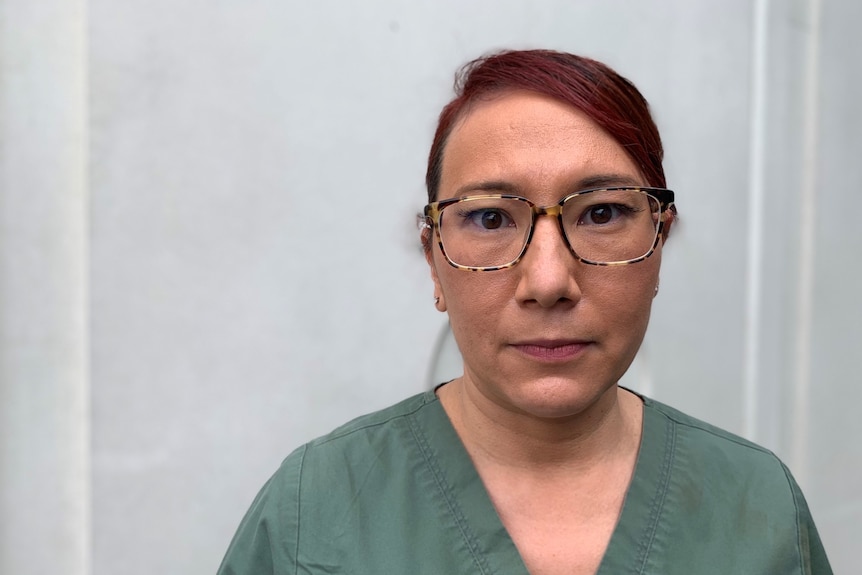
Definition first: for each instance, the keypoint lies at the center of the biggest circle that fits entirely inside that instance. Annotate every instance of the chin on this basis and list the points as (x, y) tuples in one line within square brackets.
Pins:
[(557, 398)]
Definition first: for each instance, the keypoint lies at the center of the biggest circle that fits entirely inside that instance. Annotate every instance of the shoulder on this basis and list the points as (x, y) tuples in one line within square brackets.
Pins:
[(731, 492), (709, 456), (706, 433), (380, 440), (315, 485), (375, 422), (354, 445), (701, 437)]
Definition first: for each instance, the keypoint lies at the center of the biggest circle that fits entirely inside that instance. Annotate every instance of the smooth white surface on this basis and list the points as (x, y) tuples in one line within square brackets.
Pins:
[(251, 173), (756, 200), (45, 468)]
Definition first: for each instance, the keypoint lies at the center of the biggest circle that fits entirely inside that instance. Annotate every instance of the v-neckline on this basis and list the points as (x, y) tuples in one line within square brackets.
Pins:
[(485, 537)]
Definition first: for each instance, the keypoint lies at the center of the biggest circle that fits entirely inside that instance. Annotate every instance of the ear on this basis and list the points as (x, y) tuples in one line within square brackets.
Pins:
[(669, 220), (439, 298)]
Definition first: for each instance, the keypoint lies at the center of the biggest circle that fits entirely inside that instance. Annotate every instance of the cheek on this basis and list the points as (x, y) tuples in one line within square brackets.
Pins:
[(624, 296), (475, 302)]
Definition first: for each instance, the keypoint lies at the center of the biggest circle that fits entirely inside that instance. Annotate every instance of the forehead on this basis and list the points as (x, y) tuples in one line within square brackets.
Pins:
[(533, 144)]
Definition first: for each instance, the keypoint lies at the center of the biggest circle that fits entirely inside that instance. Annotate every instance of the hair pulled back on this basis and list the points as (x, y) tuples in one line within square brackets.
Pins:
[(610, 100)]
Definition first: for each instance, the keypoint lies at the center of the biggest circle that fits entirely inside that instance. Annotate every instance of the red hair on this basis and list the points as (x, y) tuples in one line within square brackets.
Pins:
[(607, 98)]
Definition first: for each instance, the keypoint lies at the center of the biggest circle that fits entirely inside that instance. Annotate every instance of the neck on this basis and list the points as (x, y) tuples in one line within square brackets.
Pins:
[(605, 431)]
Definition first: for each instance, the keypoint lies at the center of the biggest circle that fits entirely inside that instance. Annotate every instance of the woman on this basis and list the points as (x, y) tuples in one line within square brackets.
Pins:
[(546, 219)]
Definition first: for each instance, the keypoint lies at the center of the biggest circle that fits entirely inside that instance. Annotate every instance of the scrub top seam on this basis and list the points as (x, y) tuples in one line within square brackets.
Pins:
[(451, 503), (707, 428), (339, 434), (799, 541), (299, 508), (658, 501)]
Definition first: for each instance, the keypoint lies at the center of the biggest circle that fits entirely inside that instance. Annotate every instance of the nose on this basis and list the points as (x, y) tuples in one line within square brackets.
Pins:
[(548, 269)]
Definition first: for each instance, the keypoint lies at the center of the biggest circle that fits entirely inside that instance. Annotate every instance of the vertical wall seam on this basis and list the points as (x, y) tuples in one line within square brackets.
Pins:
[(756, 186), (807, 222)]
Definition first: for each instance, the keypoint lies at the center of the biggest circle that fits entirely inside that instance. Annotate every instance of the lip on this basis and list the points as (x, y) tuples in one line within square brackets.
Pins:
[(552, 350)]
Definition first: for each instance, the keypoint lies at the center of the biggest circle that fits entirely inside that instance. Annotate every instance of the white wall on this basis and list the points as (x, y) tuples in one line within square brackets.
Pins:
[(208, 252), (44, 383)]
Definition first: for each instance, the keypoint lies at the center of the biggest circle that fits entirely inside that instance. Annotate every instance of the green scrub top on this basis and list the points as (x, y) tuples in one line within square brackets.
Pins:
[(395, 492)]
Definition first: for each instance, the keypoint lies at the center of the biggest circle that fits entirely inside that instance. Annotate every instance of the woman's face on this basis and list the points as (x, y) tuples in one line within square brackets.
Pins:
[(550, 336)]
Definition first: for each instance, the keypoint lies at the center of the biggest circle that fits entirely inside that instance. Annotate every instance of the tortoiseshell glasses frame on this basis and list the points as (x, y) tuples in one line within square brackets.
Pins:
[(663, 197)]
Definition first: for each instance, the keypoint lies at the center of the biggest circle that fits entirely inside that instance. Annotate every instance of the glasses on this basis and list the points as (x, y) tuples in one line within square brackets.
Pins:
[(602, 227)]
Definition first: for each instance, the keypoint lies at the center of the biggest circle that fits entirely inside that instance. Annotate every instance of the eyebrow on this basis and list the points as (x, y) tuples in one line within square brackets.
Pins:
[(489, 186), (588, 183), (608, 181)]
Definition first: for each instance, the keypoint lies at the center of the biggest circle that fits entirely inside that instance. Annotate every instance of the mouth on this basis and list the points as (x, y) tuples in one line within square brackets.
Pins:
[(552, 350)]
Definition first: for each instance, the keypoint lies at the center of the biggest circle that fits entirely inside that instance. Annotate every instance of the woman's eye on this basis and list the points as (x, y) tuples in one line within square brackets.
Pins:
[(489, 219), (602, 214)]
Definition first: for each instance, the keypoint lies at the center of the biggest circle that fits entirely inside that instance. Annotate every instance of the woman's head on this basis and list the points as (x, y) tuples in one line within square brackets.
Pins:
[(552, 332), (604, 96)]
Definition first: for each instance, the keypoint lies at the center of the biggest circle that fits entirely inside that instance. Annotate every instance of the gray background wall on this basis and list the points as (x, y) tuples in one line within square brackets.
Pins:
[(208, 252)]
